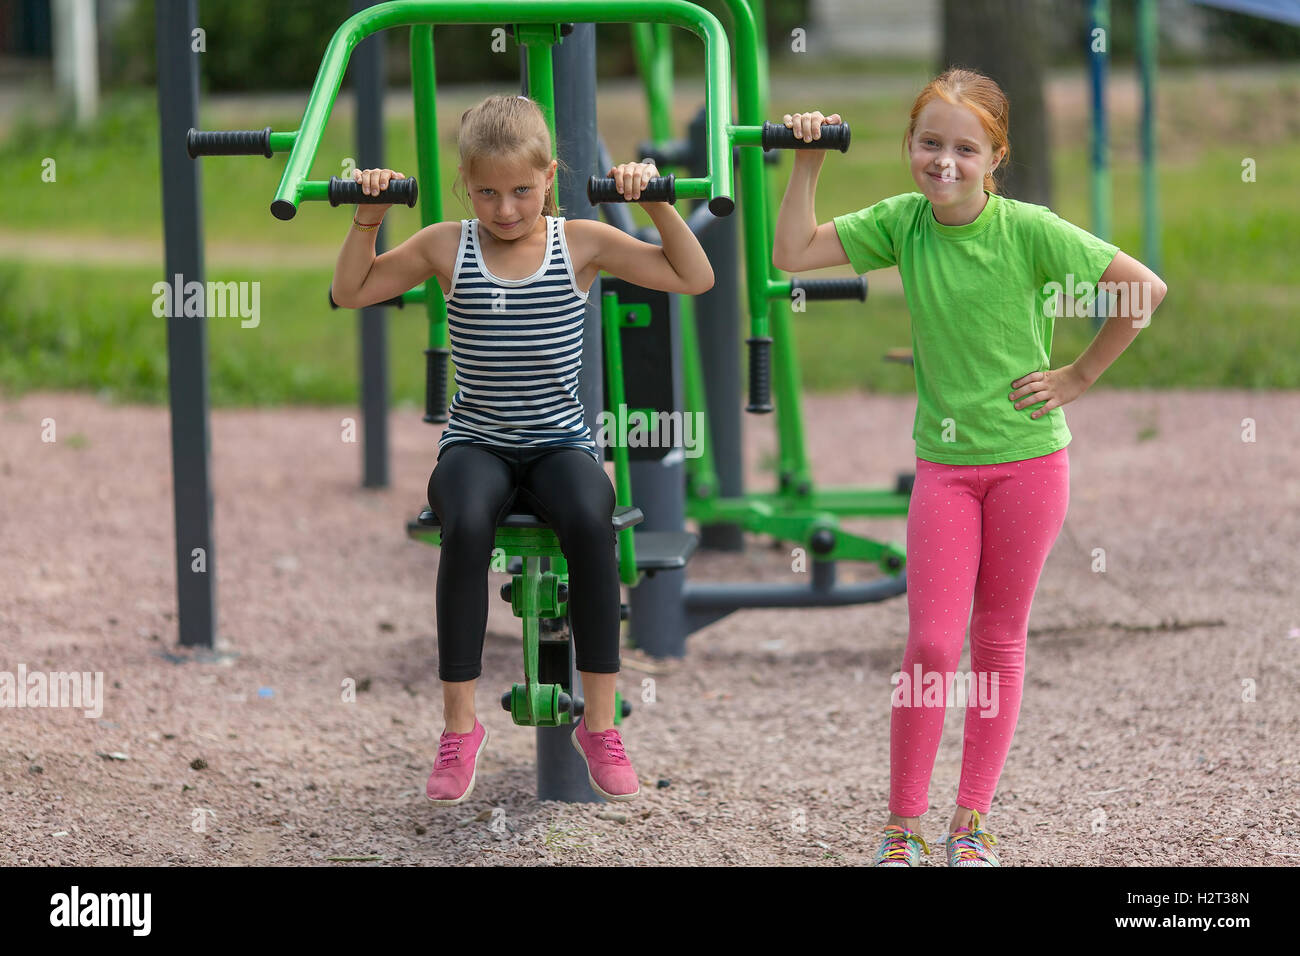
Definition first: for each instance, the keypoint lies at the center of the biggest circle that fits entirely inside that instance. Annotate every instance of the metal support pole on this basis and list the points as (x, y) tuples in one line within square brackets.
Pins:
[(561, 773), (717, 324), (187, 355), (367, 70), (76, 58), (1146, 53), (1098, 53), (656, 610)]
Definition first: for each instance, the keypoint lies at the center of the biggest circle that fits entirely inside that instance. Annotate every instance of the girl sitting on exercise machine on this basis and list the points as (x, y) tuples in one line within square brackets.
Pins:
[(516, 281)]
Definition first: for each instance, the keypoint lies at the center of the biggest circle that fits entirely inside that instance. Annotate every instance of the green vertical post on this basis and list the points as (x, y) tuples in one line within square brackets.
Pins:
[(611, 316), (1098, 55), (653, 44), (1147, 44), (751, 91), (424, 91), (538, 38)]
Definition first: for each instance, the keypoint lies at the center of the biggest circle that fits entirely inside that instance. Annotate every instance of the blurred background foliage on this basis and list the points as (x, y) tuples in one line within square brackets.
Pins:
[(255, 45), (79, 258)]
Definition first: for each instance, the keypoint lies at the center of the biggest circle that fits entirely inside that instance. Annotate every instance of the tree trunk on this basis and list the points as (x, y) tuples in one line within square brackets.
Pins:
[(1004, 39)]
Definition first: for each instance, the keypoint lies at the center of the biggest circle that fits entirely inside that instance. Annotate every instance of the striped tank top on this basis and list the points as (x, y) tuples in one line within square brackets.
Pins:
[(517, 347)]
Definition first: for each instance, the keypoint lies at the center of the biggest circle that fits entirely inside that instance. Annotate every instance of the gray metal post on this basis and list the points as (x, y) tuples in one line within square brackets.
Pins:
[(367, 70), (561, 773), (187, 355), (656, 612), (717, 324)]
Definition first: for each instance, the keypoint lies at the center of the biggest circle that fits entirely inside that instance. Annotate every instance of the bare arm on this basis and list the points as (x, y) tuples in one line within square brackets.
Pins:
[(361, 278), (800, 244), (1143, 292), (680, 265), (1132, 314)]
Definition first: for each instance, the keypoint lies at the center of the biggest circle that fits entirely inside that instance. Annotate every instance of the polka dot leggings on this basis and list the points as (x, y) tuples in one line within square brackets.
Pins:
[(972, 530)]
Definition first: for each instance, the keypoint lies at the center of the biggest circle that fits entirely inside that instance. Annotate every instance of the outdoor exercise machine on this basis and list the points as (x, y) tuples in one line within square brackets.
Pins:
[(550, 694), (666, 610)]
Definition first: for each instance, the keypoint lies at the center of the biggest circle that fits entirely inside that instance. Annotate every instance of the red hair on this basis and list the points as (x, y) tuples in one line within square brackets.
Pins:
[(978, 93)]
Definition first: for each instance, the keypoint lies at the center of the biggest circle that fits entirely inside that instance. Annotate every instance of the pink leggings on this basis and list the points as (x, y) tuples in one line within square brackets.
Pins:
[(982, 531)]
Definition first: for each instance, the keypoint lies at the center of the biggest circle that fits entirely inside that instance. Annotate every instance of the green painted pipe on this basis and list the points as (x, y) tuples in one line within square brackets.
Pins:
[(718, 187), (1146, 55)]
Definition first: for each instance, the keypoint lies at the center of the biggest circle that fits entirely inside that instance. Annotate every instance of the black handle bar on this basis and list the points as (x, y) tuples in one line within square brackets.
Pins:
[(855, 288), (400, 192), (604, 189), (228, 142), (780, 136)]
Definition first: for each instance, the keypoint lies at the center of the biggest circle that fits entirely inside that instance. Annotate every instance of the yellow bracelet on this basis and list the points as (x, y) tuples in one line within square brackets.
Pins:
[(365, 227)]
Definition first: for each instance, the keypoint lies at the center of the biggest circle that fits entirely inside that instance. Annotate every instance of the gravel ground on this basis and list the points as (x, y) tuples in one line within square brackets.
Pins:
[(1136, 743)]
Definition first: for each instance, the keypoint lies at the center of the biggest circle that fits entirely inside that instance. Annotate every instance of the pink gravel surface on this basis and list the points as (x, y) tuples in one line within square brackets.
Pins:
[(1159, 721)]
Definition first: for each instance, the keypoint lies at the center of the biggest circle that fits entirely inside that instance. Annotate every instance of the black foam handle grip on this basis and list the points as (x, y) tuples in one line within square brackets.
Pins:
[(780, 136), (397, 301), (659, 189), (831, 288), (760, 375), (228, 142), (400, 192), (435, 386)]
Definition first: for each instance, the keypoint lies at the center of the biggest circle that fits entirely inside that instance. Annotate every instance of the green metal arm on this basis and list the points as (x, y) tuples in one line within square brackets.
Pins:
[(611, 315), (717, 187)]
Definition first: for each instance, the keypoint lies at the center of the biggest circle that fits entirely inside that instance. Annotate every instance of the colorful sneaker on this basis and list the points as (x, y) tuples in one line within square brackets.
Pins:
[(609, 771), (454, 771), (900, 847), (972, 845)]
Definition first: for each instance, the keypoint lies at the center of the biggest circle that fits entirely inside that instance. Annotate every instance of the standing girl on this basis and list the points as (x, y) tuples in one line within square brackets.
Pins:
[(516, 280), (992, 472)]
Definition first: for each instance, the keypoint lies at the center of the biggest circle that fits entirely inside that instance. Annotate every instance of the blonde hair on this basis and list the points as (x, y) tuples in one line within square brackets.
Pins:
[(510, 128), (982, 96)]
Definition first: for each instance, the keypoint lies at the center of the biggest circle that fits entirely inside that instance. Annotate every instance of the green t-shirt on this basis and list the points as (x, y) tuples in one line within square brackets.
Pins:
[(980, 316)]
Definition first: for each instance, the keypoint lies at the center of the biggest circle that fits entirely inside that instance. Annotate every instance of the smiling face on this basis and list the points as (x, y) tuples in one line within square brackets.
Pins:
[(508, 196), (949, 154)]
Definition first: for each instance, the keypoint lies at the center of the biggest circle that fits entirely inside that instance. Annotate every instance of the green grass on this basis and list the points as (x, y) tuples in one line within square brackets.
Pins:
[(108, 177), (1228, 321), (105, 337)]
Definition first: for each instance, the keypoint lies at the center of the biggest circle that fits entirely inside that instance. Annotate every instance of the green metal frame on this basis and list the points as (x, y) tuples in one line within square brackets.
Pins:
[(534, 594), (798, 509), (536, 22), (794, 512)]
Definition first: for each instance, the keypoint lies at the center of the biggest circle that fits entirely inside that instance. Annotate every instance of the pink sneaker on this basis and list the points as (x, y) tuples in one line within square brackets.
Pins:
[(609, 771), (454, 771)]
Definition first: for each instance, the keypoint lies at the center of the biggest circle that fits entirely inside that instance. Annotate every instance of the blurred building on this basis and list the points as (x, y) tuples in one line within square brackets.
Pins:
[(912, 28), (24, 28)]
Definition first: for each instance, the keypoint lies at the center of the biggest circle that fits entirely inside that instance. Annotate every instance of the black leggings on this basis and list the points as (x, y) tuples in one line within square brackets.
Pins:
[(472, 487)]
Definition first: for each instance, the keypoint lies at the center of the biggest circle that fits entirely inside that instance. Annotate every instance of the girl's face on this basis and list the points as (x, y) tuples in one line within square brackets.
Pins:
[(508, 196), (950, 154)]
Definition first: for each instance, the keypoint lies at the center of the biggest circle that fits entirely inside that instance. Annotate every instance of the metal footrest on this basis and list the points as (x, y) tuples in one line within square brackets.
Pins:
[(664, 550)]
